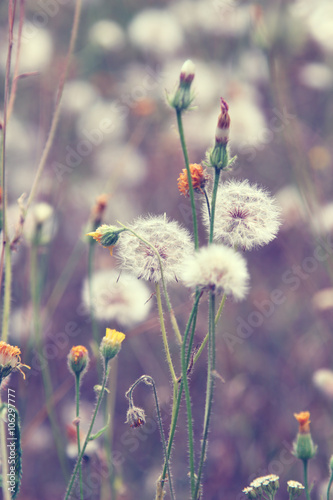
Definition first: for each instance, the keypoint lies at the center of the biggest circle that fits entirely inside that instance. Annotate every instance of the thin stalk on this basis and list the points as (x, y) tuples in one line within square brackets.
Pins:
[(205, 340), (207, 202), (164, 335), (77, 397), (86, 441), (94, 326), (167, 298), (7, 294), (4, 459), (213, 204), (305, 472), (150, 381), (190, 184), (329, 486), (209, 390), (17, 61), (35, 282)]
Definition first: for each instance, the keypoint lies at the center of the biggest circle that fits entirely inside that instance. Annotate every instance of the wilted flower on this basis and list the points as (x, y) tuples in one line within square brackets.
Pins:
[(199, 178), (217, 268), (78, 359), (111, 343), (245, 216), (107, 236), (10, 360), (121, 298), (172, 242), (135, 416)]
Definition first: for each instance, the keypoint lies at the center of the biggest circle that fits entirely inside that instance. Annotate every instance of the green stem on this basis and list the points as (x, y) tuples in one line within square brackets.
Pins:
[(77, 396), (305, 471), (3, 440), (167, 298), (209, 389), (213, 204), (7, 294), (329, 485), (79, 459), (190, 184), (205, 340), (164, 335)]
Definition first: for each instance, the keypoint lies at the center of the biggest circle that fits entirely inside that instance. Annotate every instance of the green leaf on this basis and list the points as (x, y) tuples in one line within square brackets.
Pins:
[(99, 433)]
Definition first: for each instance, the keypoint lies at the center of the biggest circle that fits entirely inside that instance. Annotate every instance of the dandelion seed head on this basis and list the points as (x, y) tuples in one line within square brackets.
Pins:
[(245, 215), (172, 242), (217, 268), (118, 297)]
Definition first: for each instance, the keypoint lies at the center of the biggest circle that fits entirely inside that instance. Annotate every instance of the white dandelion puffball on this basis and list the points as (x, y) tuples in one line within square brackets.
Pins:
[(246, 216), (121, 298), (217, 268), (323, 380), (172, 242)]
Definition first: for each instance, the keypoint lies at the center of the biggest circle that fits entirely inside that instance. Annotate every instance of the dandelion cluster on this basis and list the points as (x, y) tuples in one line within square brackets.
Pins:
[(172, 243), (245, 217)]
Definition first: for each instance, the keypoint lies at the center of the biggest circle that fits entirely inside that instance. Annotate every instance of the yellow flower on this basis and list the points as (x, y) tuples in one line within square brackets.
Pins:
[(111, 343), (106, 236), (10, 360)]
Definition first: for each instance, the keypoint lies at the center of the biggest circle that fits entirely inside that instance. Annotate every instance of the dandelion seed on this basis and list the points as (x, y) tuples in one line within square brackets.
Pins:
[(217, 268), (246, 216), (172, 242), (120, 298)]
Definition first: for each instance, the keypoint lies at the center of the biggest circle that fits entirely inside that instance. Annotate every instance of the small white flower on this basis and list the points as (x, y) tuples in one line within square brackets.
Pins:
[(172, 242), (217, 268), (323, 380), (245, 216), (120, 298)]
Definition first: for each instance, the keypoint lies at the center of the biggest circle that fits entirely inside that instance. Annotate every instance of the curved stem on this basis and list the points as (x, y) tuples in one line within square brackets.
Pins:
[(167, 298), (77, 397), (164, 335), (189, 178), (86, 441)]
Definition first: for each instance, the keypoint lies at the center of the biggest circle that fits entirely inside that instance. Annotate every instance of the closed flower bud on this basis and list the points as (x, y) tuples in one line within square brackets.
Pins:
[(135, 416), (111, 344), (218, 156), (78, 360), (304, 447), (183, 96), (106, 236)]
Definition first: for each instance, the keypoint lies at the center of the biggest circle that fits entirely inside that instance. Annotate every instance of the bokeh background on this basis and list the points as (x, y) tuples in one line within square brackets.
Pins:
[(273, 63)]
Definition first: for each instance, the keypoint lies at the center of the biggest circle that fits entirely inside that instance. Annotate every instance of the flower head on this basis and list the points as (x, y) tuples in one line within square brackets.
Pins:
[(294, 489), (217, 268), (304, 421), (120, 298), (106, 236), (183, 96), (245, 215), (265, 484), (135, 416), (78, 359), (199, 178), (111, 343), (304, 448), (172, 243), (223, 124), (10, 360)]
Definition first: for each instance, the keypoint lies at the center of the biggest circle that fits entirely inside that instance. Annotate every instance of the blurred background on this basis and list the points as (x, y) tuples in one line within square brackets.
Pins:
[(273, 63)]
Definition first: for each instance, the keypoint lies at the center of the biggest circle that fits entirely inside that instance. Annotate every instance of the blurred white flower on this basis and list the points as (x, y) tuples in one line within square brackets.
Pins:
[(40, 217), (245, 216), (118, 297), (217, 268), (102, 121), (78, 95), (36, 49), (324, 218), (156, 31), (172, 242), (124, 163), (318, 16), (316, 75), (292, 206), (108, 35), (323, 380), (323, 300)]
